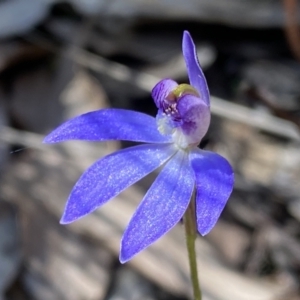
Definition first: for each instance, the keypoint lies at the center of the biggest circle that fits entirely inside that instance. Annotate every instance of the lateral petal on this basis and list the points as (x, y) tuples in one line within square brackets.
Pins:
[(196, 76), (111, 175), (214, 184), (109, 124), (162, 207)]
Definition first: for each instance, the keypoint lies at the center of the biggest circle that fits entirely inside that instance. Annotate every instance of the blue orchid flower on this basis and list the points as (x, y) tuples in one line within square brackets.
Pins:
[(171, 141)]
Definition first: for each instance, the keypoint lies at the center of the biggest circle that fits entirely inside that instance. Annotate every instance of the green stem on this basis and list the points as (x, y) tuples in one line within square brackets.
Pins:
[(189, 220)]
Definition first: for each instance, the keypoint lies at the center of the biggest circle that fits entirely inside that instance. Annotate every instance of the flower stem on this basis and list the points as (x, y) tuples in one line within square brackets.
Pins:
[(189, 220)]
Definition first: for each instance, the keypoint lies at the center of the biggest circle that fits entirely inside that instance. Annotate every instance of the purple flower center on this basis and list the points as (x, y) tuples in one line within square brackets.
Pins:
[(182, 114), (169, 104)]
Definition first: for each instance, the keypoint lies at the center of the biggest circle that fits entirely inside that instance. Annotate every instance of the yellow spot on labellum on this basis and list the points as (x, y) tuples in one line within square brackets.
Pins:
[(180, 90)]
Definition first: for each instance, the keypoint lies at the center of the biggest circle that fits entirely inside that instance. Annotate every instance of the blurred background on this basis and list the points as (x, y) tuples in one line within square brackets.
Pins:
[(59, 59)]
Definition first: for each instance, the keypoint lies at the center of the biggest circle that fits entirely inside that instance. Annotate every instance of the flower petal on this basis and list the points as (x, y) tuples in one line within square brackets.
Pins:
[(214, 184), (162, 207), (161, 91), (195, 116), (196, 76), (109, 124), (111, 175)]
